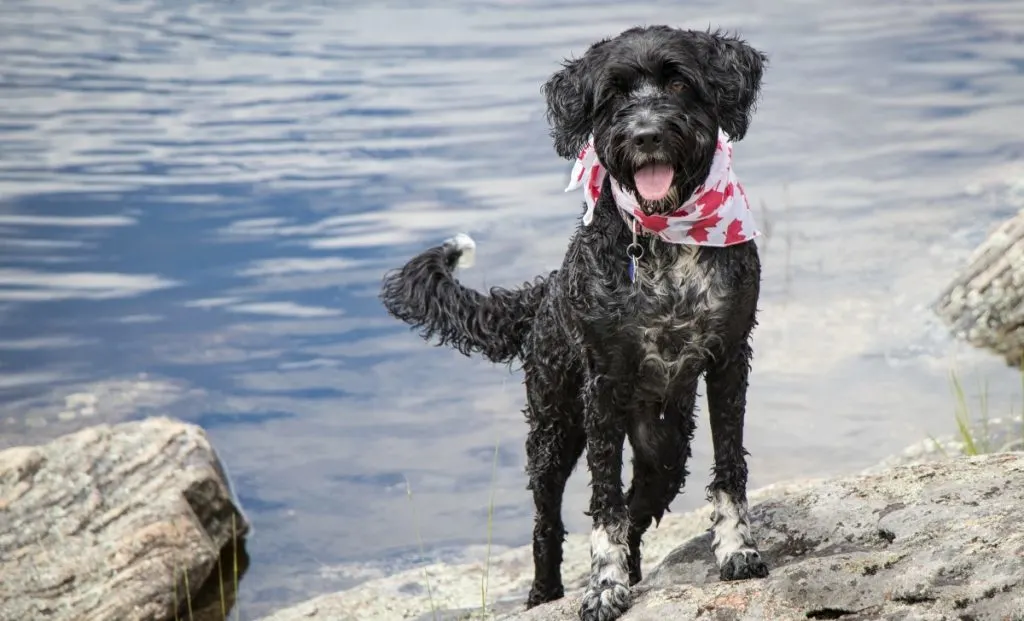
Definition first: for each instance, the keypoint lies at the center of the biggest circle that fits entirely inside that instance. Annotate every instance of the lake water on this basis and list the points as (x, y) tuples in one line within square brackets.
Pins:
[(197, 201)]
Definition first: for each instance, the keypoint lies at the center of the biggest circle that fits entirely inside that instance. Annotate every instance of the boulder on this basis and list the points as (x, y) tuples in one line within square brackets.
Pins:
[(925, 541), (984, 303), (932, 541), (118, 523)]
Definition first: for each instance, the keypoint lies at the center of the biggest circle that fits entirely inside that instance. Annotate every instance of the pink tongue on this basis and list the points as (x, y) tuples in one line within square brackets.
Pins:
[(653, 182)]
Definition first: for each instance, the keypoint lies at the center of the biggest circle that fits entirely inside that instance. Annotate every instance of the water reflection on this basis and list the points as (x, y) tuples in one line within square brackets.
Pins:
[(197, 202)]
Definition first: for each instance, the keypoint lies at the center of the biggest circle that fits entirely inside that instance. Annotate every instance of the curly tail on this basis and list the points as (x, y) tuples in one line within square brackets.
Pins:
[(426, 295)]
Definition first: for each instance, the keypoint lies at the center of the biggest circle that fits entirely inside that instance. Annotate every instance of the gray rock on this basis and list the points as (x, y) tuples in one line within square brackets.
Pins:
[(112, 522), (982, 303), (445, 591), (935, 541), (992, 435)]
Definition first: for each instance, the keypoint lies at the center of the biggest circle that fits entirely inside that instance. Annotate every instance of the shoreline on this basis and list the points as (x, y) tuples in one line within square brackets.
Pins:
[(457, 586)]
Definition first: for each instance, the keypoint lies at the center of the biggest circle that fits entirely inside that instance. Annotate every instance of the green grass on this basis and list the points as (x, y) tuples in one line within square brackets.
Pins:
[(188, 599), (973, 428), (963, 417), (220, 586), (203, 605)]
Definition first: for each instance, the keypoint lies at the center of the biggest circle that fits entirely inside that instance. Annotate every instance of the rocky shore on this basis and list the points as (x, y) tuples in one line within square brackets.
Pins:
[(938, 539), (128, 522)]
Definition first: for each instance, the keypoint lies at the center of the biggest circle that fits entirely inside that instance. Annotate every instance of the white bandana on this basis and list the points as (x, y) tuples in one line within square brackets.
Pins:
[(717, 214)]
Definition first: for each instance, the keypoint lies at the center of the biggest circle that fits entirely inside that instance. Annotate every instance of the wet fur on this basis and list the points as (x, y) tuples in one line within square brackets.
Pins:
[(606, 360)]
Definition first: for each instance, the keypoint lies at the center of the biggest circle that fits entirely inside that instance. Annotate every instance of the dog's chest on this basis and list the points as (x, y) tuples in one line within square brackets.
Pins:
[(681, 300)]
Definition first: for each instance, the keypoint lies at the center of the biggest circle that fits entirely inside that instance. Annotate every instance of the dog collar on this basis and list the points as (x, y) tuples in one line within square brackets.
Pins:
[(716, 214)]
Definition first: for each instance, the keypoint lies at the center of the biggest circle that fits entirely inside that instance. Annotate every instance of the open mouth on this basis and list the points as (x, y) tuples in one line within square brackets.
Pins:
[(654, 181)]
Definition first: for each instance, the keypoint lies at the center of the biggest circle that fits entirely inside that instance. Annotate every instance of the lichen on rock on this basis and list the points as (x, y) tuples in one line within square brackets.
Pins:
[(934, 540)]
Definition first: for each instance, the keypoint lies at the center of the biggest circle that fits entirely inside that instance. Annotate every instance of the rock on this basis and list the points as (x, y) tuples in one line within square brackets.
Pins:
[(455, 589), (984, 303), (993, 435), (933, 541), (112, 522)]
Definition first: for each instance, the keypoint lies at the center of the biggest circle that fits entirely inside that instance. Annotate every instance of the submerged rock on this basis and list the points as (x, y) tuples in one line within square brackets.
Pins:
[(927, 541), (112, 522)]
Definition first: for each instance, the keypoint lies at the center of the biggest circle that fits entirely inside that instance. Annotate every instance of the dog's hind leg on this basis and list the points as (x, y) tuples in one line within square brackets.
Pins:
[(553, 446), (733, 543), (661, 448)]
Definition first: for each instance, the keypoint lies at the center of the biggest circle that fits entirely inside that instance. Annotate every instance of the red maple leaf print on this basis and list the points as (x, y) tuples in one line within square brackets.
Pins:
[(699, 230), (595, 185), (709, 202), (655, 224), (734, 233), (743, 193), (713, 199)]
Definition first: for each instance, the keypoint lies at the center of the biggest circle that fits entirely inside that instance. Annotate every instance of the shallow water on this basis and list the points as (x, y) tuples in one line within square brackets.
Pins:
[(197, 203)]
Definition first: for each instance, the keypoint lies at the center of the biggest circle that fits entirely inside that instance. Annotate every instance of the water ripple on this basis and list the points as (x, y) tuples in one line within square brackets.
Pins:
[(197, 202)]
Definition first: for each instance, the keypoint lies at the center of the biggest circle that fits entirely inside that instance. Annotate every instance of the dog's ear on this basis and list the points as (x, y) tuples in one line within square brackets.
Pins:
[(569, 95), (733, 71)]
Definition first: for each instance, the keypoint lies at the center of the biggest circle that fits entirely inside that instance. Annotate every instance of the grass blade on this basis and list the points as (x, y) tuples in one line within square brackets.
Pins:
[(938, 447), (419, 539), (963, 416), (188, 595), (220, 585), (177, 604), (490, 530)]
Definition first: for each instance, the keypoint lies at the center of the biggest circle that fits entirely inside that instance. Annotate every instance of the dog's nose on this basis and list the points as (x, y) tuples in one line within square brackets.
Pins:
[(647, 141)]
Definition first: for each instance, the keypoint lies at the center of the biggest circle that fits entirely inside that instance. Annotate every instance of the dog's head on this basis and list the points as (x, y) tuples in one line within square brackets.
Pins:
[(654, 99)]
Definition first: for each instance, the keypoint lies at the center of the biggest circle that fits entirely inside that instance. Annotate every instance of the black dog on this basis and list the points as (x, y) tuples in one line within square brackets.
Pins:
[(613, 349)]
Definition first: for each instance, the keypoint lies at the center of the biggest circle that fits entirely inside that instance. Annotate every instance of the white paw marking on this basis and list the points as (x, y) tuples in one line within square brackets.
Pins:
[(607, 559), (467, 247), (607, 596), (731, 529)]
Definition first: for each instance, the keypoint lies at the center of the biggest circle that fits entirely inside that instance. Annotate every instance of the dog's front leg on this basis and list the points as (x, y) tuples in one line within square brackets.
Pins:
[(733, 543), (607, 595)]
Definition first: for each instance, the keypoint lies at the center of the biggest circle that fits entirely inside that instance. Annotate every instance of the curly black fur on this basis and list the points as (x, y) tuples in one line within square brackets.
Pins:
[(606, 359), (425, 295)]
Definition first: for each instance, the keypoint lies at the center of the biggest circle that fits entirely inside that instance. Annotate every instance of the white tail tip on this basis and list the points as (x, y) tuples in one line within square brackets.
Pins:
[(467, 247)]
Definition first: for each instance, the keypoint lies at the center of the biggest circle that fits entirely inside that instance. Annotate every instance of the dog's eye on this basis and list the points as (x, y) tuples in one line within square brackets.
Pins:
[(677, 87)]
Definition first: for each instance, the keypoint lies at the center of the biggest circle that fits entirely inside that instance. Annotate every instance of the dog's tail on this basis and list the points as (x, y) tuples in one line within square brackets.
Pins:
[(426, 295)]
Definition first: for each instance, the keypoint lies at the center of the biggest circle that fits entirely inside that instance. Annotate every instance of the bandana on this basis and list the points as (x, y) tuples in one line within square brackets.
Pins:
[(717, 214)]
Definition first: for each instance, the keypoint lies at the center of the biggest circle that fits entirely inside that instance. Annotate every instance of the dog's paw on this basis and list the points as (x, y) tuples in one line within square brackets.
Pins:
[(743, 564), (540, 595), (605, 602)]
